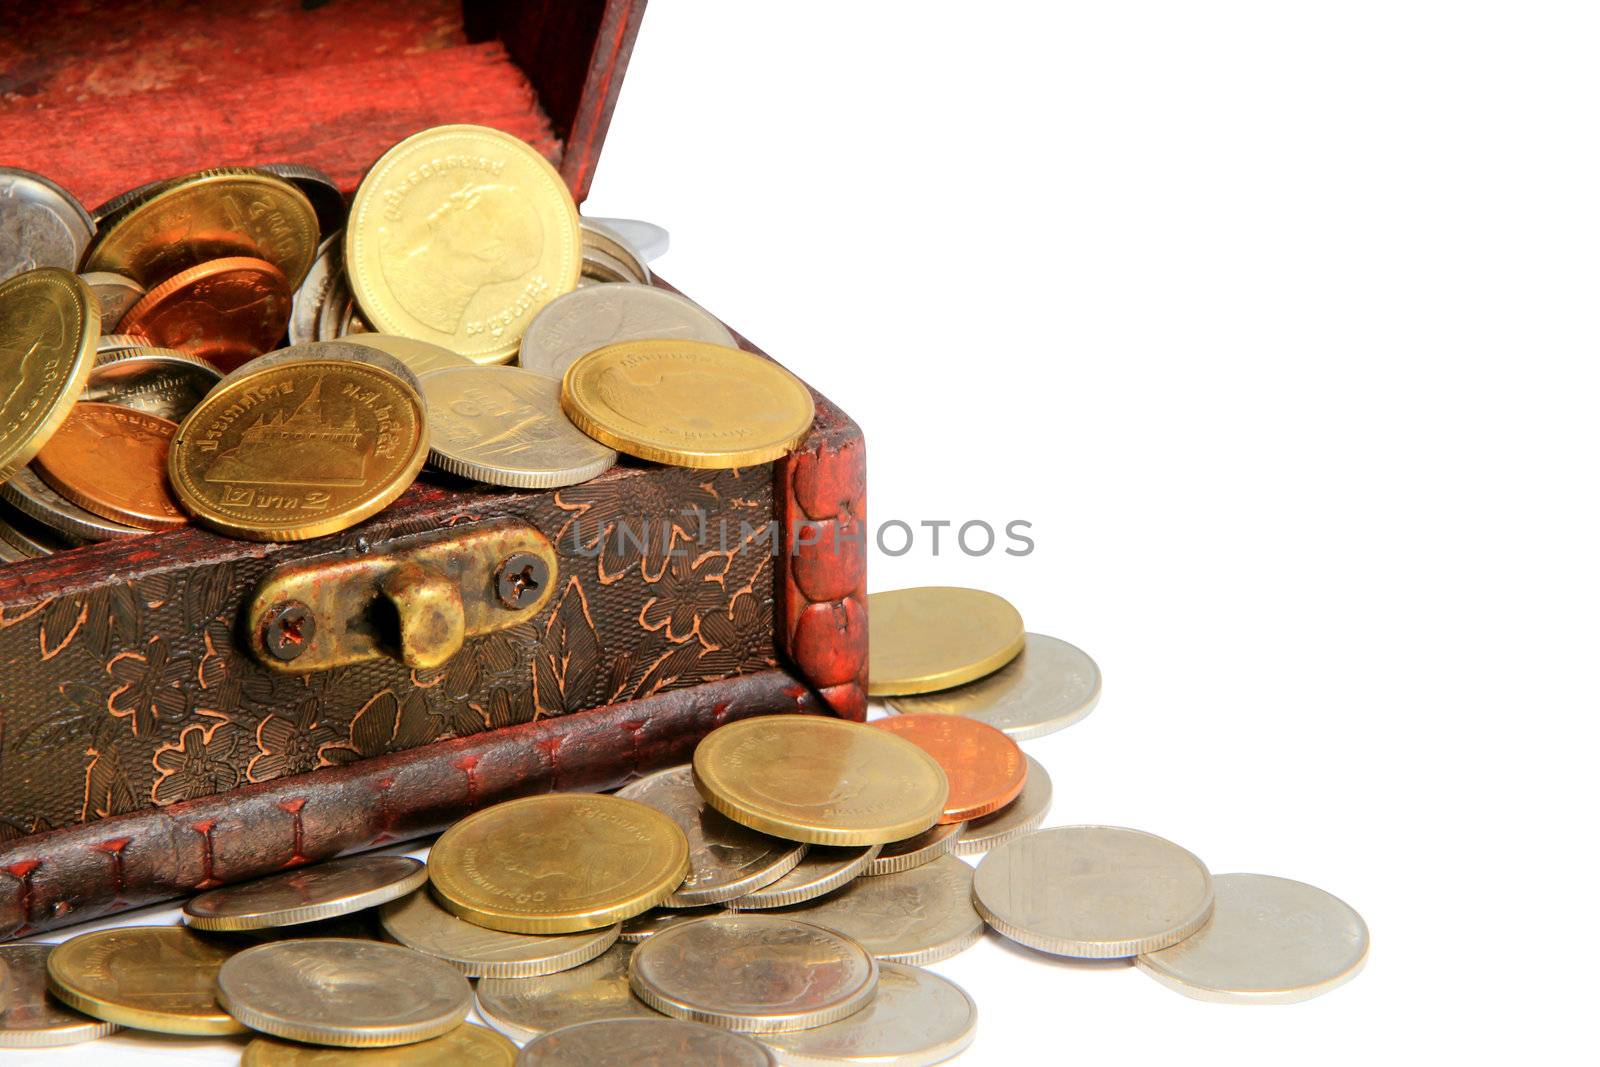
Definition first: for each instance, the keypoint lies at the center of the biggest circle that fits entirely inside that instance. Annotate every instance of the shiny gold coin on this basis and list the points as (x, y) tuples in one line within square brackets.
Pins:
[(214, 214), (49, 324), (558, 863), (458, 235), (161, 978), (299, 449), (687, 403), (936, 636), (466, 1044), (819, 780)]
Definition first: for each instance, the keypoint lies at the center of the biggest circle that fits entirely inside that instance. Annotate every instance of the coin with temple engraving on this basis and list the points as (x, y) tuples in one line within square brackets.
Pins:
[(918, 1018), (458, 235), (524, 1008), (465, 1046), (1048, 687), (226, 311), (344, 993), (115, 293), (306, 894), (586, 319), (157, 381), (49, 323), (41, 224), (824, 869), (1012, 821), (113, 461), (936, 636), (986, 769), (687, 403), (647, 1042), (418, 921), (161, 978), (30, 1017), (299, 449)]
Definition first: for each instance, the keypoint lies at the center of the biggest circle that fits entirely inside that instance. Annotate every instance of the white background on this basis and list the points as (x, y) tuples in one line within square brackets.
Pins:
[(1277, 321)]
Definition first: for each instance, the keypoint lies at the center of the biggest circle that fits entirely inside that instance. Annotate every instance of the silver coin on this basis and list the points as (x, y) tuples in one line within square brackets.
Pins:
[(421, 356), (28, 493), (41, 224), (919, 916), (329, 350), (504, 425), (603, 267), (925, 847), (823, 869), (32, 1018), (726, 860), (1270, 941), (1050, 686), (10, 553), (524, 1008), (418, 921), (122, 200), (577, 323), (918, 1018), (646, 1042), (648, 239), (602, 238), (644, 927), (326, 199), (30, 537), (338, 306), (111, 342), (158, 381), (313, 289), (116, 294), (306, 894), (753, 973), (1012, 821), (1093, 892)]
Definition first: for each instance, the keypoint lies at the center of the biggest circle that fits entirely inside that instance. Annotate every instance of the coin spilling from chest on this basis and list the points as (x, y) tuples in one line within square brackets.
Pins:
[(917, 1018), (161, 978), (1022, 815), (1049, 686), (311, 295), (599, 237), (985, 768), (915, 851), (112, 461), (587, 319), (658, 1042), (156, 381), (41, 224), (319, 188), (418, 921), (31, 1017), (225, 311), (466, 1044), (49, 324), (524, 1008), (824, 869), (933, 637), (115, 293), (306, 894), (346, 351), (28, 493)]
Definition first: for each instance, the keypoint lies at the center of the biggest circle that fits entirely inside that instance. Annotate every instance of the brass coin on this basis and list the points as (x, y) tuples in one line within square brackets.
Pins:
[(524, 1008), (306, 894), (687, 403), (226, 311), (466, 1044), (458, 235), (420, 356), (558, 863), (31, 1018), (49, 323), (28, 493), (115, 293), (344, 993), (157, 381), (418, 921), (819, 780), (937, 636), (113, 461), (161, 978), (299, 449)]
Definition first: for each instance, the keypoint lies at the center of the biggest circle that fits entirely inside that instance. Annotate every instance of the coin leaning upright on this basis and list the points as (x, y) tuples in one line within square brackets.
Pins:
[(1049, 686), (937, 636), (49, 323), (306, 894)]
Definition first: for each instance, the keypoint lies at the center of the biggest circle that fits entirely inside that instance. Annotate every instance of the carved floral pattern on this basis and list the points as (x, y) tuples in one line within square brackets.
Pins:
[(204, 760)]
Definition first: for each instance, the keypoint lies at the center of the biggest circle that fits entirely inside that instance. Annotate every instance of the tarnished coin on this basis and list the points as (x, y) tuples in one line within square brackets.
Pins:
[(824, 869), (1012, 821), (30, 495), (599, 237), (226, 311), (115, 293), (344, 993), (10, 553), (123, 199), (343, 350), (936, 636), (306, 894), (49, 323), (320, 188), (41, 224), (418, 921), (1048, 687), (458, 235), (586, 319), (24, 538), (913, 852), (656, 1042), (1270, 941), (524, 1008), (726, 860), (918, 1018), (818, 780), (338, 309), (112, 461), (644, 927), (1094, 892), (299, 449), (306, 305), (504, 426), (420, 356), (985, 768), (30, 1017), (161, 978), (753, 973), (466, 1044), (558, 863), (687, 403), (156, 381)]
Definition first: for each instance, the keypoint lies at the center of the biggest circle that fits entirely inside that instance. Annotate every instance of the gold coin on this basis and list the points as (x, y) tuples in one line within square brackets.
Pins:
[(458, 235), (49, 325), (214, 214), (558, 863), (936, 636), (687, 403), (299, 449), (466, 1044), (819, 780), (161, 978), (420, 356)]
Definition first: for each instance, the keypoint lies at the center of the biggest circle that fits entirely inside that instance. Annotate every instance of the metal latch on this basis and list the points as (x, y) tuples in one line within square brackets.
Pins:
[(415, 599)]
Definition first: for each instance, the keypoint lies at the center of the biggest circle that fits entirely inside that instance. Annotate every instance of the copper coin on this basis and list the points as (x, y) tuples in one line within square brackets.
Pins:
[(985, 767), (225, 311), (112, 461)]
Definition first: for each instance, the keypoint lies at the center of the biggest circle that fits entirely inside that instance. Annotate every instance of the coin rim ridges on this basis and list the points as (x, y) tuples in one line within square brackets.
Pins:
[(306, 913)]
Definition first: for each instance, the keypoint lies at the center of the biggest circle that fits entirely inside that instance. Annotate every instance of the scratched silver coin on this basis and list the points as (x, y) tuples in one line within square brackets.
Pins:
[(1012, 821), (918, 1018), (320, 188), (823, 869), (644, 927), (41, 224), (31, 1017), (157, 381), (1050, 686), (656, 1042), (28, 493), (420, 922), (306, 894), (116, 294), (524, 1008), (326, 268), (925, 847), (583, 320)]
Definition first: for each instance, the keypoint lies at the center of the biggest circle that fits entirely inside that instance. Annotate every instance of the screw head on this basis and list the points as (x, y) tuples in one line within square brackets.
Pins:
[(520, 579), (288, 629)]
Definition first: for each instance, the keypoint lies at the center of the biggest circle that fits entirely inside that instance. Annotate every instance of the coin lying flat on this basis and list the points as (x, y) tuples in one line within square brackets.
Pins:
[(1048, 687), (30, 1017), (915, 851), (753, 973), (936, 636), (918, 1018), (558, 863), (1012, 821), (657, 1042), (418, 921), (24, 538), (420, 356), (824, 869), (226, 311), (586, 319), (156, 381), (504, 426), (306, 894), (466, 1044), (160, 978), (524, 1008), (644, 927), (41, 224), (687, 403), (1094, 892), (29, 495), (726, 860), (985, 768), (1270, 941), (49, 323), (818, 780), (344, 993), (112, 460), (115, 294), (458, 235)]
